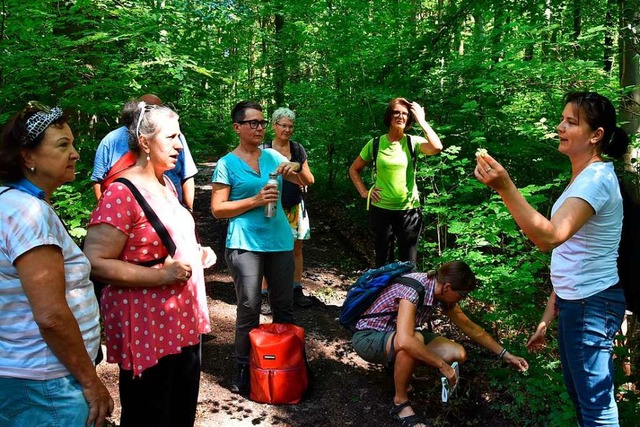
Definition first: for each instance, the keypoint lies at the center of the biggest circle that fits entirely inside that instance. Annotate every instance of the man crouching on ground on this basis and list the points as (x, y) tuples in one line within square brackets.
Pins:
[(393, 340)]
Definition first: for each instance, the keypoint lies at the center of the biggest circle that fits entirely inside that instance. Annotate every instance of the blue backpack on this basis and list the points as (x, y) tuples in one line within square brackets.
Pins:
[(367, 288)]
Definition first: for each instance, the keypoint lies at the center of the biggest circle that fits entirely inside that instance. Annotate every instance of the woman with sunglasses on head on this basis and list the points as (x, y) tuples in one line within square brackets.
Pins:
[(50, 333), (292, 200), (387, 331), (154, 304), (257, 246), (583, 234), (394, 211)]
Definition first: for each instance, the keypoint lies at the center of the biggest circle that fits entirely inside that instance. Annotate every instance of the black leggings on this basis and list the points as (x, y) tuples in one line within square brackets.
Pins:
[(387, 225), (165, 395)]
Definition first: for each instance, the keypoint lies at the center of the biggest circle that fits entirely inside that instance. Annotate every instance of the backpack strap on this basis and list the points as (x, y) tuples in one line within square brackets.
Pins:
[(406, 281), (167, 241), (5, 190), (376, 148), (295, 148), (303, 188), (412, 151)]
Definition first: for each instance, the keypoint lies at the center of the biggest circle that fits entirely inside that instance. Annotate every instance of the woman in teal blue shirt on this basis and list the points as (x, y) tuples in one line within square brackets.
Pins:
[(256, 245)]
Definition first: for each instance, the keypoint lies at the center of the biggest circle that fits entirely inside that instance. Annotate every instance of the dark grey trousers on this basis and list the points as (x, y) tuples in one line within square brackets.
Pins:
[(247, 269)]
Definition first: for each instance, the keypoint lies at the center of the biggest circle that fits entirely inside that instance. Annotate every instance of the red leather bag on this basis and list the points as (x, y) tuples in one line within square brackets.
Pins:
[(277, 365)]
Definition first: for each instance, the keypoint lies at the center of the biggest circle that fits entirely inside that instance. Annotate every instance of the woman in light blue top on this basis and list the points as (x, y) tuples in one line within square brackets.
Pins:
[(256, 245), (583, 233), (50, 331)]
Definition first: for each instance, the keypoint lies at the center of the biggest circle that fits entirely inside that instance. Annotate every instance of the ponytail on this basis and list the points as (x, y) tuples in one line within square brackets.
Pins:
[(617, 144)]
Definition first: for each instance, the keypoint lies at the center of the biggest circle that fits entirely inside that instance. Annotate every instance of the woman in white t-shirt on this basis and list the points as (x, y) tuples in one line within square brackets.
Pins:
[(583, 233)]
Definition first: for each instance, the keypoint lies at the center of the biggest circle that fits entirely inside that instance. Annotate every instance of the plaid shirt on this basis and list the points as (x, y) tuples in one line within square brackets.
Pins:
[(389, 300)]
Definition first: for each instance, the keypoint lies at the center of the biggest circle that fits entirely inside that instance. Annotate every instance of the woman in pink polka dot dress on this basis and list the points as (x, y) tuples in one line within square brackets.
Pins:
[(154, 306)]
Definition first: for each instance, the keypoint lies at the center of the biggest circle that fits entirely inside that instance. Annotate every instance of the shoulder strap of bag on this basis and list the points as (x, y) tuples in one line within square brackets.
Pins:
[(296, 151), (151, 216), (5, 190), (412, 151)]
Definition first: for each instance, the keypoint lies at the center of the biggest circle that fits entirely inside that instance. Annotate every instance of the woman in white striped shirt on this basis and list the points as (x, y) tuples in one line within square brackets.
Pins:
[(49, 330)]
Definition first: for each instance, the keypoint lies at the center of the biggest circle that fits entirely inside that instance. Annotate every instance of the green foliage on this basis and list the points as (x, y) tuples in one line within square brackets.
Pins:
[(74, 208), (490, 74)]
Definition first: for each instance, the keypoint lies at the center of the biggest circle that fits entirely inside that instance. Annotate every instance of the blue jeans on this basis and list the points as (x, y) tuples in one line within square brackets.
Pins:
[(55, 403), (586, 330)]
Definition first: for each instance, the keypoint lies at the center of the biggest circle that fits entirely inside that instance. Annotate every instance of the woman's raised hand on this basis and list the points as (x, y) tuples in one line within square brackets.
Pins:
[(176, 271), (285, 168), (491, 173), (418, 111)]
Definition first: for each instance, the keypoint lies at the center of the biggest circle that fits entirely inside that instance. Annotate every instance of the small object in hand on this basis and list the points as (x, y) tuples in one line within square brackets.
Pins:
[(481, 152), (447, 390)]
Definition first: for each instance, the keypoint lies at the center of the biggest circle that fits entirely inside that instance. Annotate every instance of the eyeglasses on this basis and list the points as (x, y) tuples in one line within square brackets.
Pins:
[(253, 124), (397, 113), (286, 127)]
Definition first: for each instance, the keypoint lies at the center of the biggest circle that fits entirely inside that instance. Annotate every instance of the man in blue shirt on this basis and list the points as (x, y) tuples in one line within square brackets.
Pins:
[(116, 143)]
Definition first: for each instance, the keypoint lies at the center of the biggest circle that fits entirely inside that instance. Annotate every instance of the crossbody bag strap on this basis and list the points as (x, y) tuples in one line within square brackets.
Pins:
[(151, 216)]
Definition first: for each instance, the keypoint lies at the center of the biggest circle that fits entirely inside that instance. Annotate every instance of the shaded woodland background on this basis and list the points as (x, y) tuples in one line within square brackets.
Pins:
[(491, 73)]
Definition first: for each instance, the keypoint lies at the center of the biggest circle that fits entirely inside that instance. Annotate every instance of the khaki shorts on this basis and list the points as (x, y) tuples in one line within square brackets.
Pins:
[(370, 344)]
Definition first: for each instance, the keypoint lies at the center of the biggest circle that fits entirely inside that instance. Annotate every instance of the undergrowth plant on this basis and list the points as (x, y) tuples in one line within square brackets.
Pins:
[(467, 221)]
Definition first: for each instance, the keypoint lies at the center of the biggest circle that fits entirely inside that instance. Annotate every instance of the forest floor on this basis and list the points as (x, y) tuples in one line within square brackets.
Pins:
[(347, 390)]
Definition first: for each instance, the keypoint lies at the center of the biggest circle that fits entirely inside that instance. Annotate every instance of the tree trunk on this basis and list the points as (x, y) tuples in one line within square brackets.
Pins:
[(629, 69), (279, 72), (577, 25), (608, 38)]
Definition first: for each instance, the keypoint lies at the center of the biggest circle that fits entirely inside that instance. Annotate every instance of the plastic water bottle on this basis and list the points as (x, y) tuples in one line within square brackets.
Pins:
[(271, 207)]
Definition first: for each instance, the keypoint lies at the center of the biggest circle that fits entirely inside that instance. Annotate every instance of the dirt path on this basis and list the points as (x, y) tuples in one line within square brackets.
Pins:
[(348, 391)]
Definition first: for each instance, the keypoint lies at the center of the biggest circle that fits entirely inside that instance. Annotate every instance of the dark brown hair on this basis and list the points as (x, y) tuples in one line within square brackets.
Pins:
[(598, 111), (388, 115), (14, 132), (239, 111), (458, 274)]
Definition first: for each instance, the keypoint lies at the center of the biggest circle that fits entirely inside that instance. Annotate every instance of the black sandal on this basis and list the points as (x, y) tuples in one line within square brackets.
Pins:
[(408, 421)]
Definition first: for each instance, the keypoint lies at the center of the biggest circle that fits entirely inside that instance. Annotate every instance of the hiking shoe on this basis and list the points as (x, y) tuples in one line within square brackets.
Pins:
[(241, 380), (265, 307), (300, 298)]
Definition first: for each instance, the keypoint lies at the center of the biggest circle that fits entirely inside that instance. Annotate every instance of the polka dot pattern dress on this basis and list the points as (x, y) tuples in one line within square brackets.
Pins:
[(143, 324)]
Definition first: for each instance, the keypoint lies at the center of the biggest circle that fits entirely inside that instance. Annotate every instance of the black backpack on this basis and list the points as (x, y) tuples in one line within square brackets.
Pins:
[(629, 250)]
